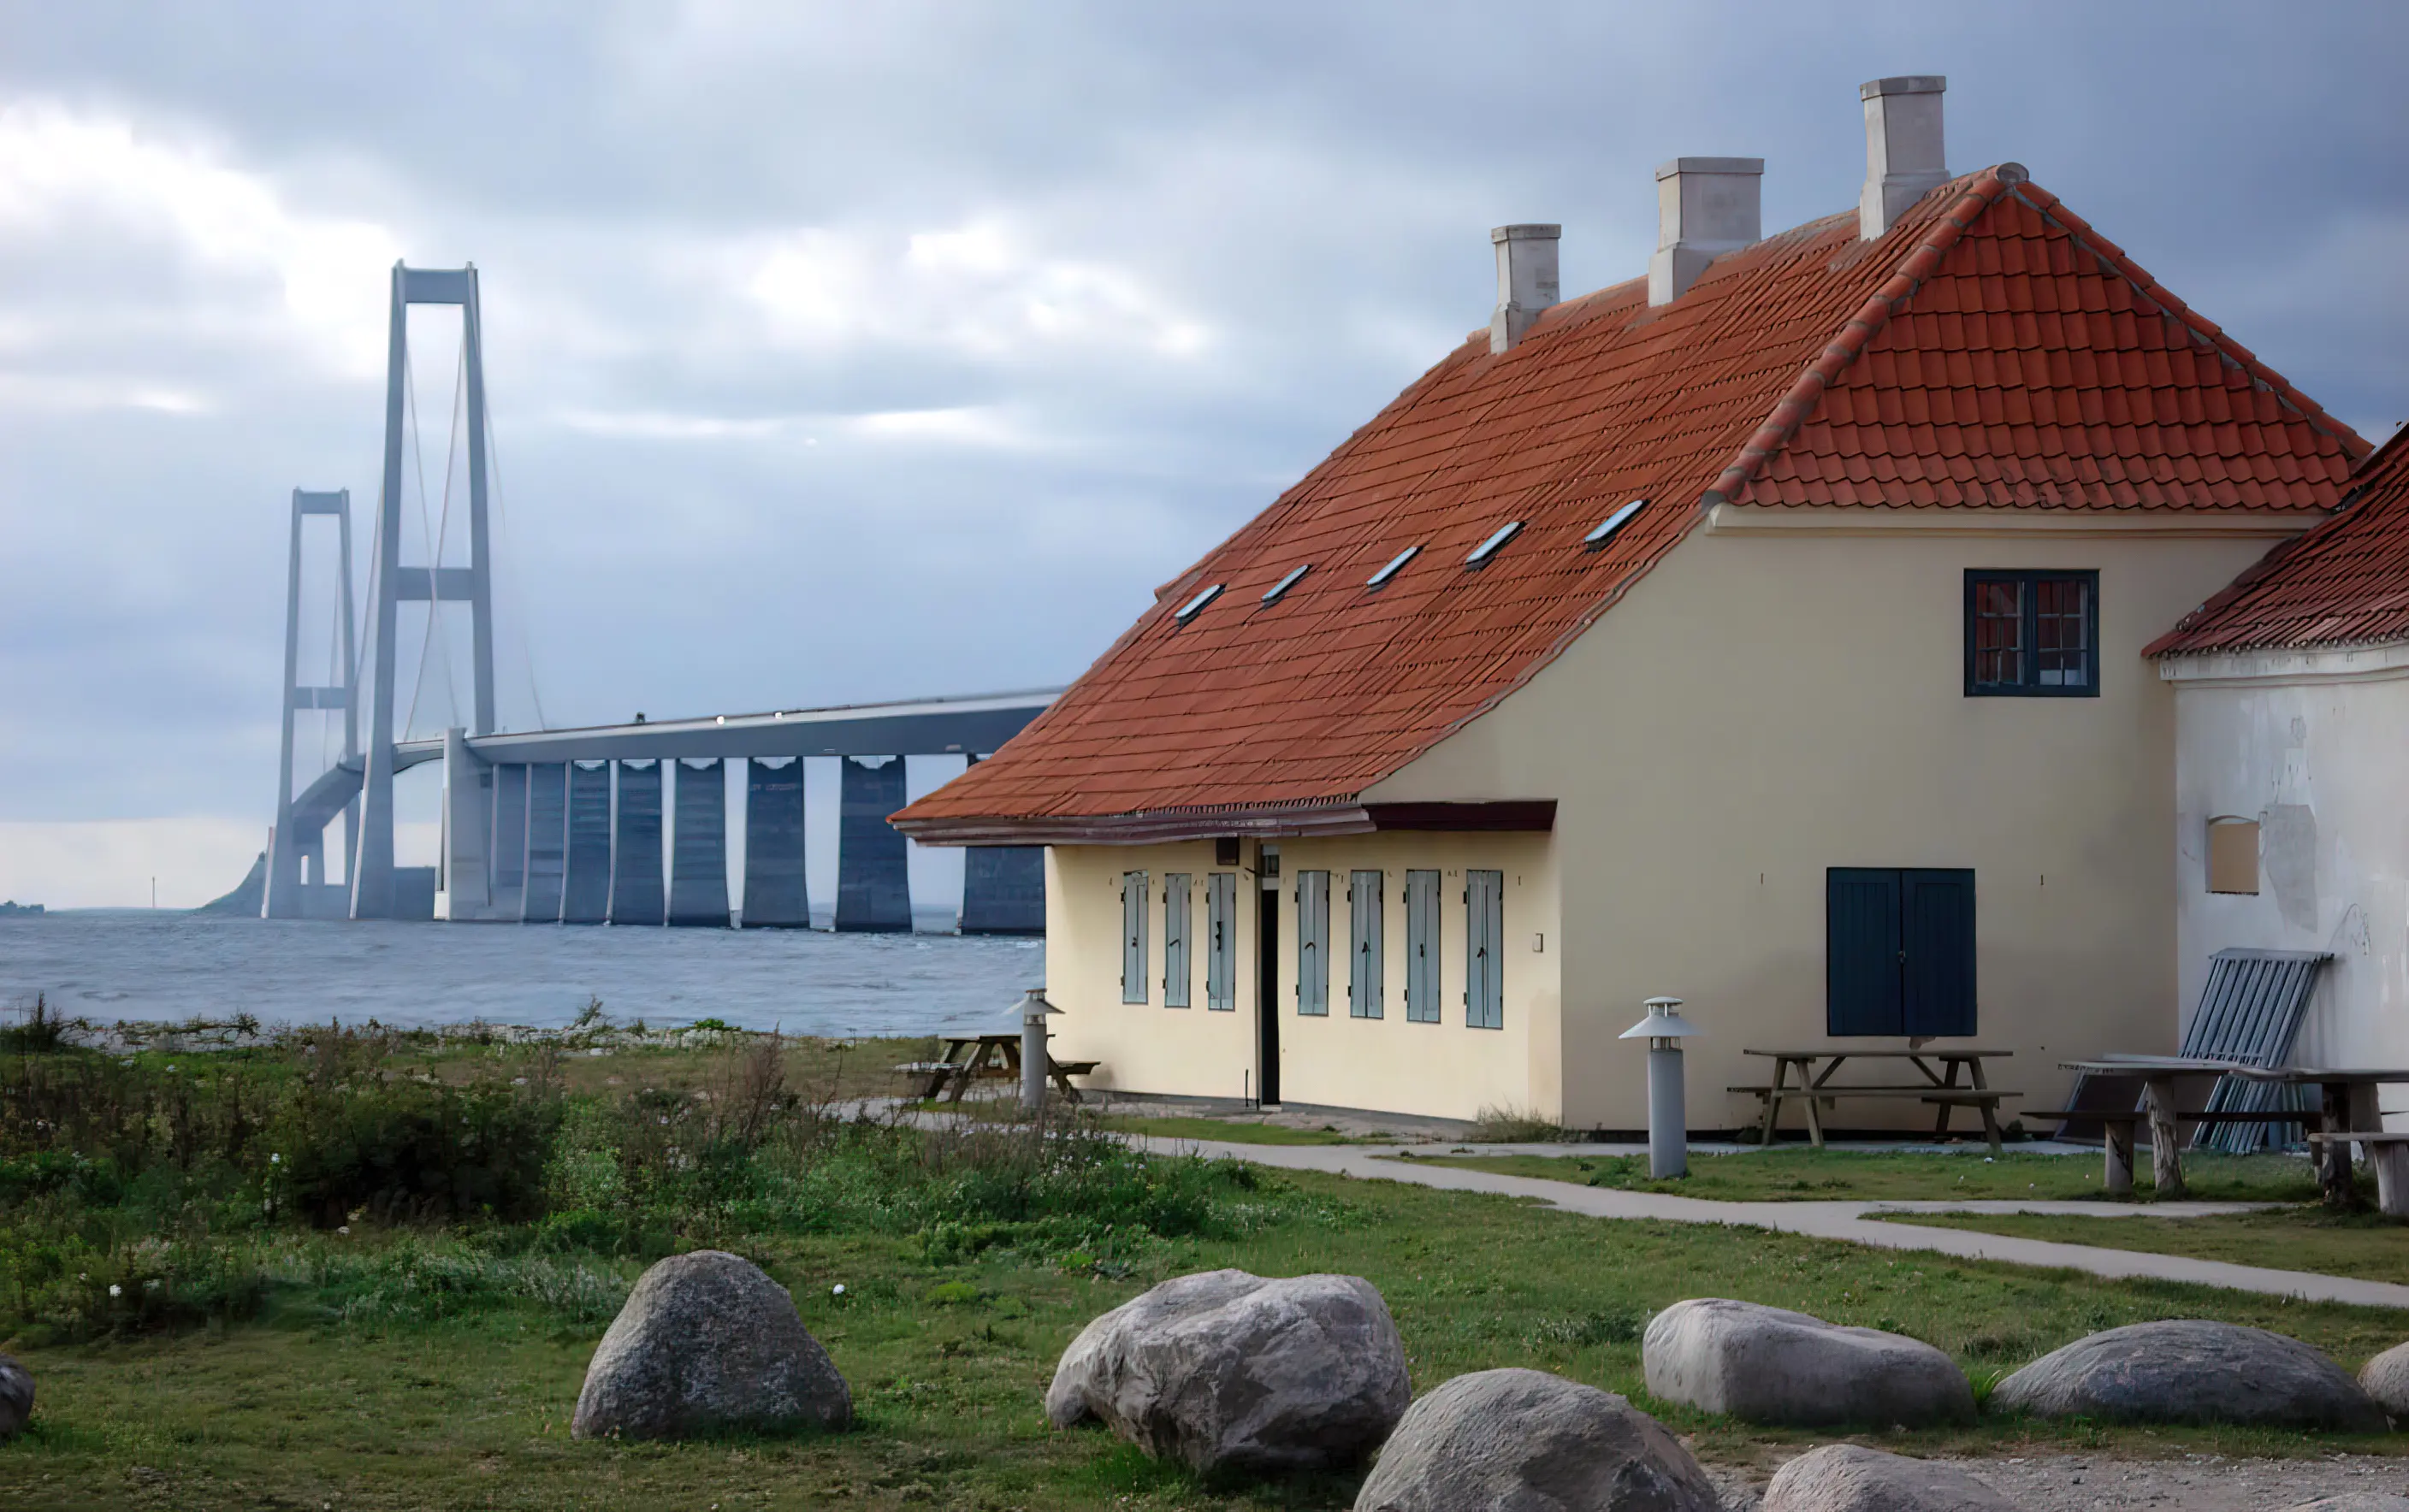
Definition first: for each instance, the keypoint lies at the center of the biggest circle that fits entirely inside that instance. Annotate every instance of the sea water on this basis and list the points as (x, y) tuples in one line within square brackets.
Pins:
[(108, 965)]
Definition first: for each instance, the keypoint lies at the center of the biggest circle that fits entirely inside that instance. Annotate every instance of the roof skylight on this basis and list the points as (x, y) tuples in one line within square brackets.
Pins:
[(1612, 523), (1272, 595), (1195, 606), (1487, 549), (1396, 564)]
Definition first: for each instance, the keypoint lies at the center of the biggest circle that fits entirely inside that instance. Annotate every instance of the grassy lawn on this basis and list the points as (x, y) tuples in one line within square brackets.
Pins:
[(323, 1402), (1805, 1175), (2366, 1246)]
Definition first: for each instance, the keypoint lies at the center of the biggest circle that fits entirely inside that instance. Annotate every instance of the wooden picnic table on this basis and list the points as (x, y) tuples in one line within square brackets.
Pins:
[(2161, 1078), (2349, 1114), (968, 1058), (1941, 1087)]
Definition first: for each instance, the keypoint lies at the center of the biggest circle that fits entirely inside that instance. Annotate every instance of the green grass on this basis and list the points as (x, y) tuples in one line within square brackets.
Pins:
[(324, 1401), (1235, 1131), (1806, 1175), (2365, 1245)]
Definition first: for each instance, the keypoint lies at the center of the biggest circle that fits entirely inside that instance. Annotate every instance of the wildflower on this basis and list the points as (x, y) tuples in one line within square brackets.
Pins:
[(343, 1228), (116, 1291), (276, 1159), (836, 1291)]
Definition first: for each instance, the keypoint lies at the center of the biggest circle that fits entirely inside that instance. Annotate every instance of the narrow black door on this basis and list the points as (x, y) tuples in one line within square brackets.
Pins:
[(1267, 1056), (1937, 933), (1861, 957)]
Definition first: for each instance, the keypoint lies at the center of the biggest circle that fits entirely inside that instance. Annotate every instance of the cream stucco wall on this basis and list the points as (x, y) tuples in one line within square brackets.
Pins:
[(1445, 1070), (1771, 702), (2311, 747)]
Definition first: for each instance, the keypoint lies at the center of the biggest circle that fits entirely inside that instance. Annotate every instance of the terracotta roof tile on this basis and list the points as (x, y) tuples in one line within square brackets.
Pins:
[(1990, 349)]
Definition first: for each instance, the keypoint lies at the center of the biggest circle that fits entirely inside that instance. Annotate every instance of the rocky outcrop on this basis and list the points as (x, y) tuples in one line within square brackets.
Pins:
[(2191, 1371), (1771, 1365), (2386, 1378), (1849, 1478), (1226, 1370), (1527, 1441), (708, 1344), (16, 1397)]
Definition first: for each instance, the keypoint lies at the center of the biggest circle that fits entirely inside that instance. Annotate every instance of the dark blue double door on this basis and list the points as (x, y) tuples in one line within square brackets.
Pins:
[(1899, 951)]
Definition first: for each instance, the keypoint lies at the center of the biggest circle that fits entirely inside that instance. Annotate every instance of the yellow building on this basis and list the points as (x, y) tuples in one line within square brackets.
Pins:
[(1766, 632)]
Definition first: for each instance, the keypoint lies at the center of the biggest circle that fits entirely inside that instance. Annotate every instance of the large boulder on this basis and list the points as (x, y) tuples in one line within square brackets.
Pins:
[(16, 1397), (1771, 1365), (2191, 1371), (1526, 1441), (1225, 1370), (2354, 1502), (708, 1344), (2386, 1378), (1849, 1478)]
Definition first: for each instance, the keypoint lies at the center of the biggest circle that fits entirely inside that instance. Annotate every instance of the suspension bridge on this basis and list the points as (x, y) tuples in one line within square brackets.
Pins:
[(569, 826)]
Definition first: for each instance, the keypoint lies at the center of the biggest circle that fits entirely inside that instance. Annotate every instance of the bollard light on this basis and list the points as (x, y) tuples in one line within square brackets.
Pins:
[(1034, 1011), (1668, 1128)]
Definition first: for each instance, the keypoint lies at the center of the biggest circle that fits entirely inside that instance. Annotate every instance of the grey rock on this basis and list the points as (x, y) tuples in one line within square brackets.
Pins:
[(1225, 1370), (2191, 1371), (16, 1396), (1771, 1365), (1849, 1478), (2386, 1378), (2353, 1502), (1526, 1441), (708, 1344)]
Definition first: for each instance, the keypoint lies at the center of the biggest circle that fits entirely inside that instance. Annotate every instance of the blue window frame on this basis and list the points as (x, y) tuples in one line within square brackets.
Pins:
[(2032, 635)]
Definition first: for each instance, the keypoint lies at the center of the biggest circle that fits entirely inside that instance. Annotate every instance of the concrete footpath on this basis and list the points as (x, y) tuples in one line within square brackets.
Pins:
[(1848, 1222)]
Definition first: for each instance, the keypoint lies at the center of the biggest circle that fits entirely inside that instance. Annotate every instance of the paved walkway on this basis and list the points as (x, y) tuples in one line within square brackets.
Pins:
[(1848, 1222)]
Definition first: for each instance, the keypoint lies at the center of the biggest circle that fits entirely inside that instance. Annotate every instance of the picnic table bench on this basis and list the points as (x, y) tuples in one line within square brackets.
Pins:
[(1795, 1080), (968, 1058)]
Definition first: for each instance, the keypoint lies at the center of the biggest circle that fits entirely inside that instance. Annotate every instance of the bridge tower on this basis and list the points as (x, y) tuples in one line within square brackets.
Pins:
[(290, 893), (392, 584)]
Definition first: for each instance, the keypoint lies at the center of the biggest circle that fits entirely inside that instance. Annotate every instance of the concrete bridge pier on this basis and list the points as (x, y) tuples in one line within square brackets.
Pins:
[(586, 885), (698, 863), (778, 895), (874, 884), (468, 831), (509, 854), (547, 841), (636, 846), (1003, 888)]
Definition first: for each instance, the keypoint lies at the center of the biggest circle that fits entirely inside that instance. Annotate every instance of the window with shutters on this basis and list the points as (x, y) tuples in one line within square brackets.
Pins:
[(1133, 937), (1899, 952), (2032, 634), (1177, 974), (1363, 894), (1484, 940), (1221, 943), (1313, 943), (1421, 947)]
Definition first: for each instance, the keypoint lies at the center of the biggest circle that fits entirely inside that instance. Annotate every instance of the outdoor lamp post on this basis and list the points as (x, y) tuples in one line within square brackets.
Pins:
[(1034, 1010), (1669, 1127)]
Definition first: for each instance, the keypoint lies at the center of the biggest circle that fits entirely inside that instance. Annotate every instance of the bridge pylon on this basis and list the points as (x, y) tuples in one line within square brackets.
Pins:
[(392, 585), (297, 886)]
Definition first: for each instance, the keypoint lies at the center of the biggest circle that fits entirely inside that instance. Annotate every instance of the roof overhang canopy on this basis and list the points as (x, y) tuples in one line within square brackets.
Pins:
[(1343, 817)]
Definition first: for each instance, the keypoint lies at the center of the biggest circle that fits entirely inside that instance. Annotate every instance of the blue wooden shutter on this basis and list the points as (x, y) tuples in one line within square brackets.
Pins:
[(1421, 947), (1936, 928), (1364, 909), (1221, 943), (1176, 906), (1484, 941), (1861, 915), (1313, 943), (1134, 983)]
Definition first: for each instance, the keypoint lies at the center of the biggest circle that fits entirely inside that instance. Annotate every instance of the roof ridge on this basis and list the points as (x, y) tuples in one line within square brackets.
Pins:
[(1796, 404)]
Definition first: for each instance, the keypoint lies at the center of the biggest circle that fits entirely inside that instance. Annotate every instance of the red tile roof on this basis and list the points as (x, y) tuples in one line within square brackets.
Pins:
[(2345, 583), (1990, 349)]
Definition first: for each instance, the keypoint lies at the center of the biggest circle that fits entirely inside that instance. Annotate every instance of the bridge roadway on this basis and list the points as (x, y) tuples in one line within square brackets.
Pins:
[(506, 774)]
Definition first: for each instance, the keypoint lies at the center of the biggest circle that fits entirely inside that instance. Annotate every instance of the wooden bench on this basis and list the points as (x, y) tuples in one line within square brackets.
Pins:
[(1985, 1099), (2116, 1132), (2389, 1154), (935, 1075)]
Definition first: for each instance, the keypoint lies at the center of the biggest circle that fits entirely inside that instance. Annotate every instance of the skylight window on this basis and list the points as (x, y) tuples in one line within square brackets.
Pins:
[(1396, 565), (1612, 523), (1195, 606), (1272, 595), (1487, 549)]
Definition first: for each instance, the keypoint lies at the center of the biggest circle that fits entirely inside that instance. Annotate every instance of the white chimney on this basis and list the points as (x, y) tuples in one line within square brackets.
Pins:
[(1904, 160), (1704, 208), (1526, 280)]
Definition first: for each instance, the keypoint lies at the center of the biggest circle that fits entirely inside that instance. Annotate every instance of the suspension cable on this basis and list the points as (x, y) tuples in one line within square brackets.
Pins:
[(503, 521)]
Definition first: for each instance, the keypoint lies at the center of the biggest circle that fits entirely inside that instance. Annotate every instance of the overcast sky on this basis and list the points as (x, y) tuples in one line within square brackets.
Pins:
[(847, 352)]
